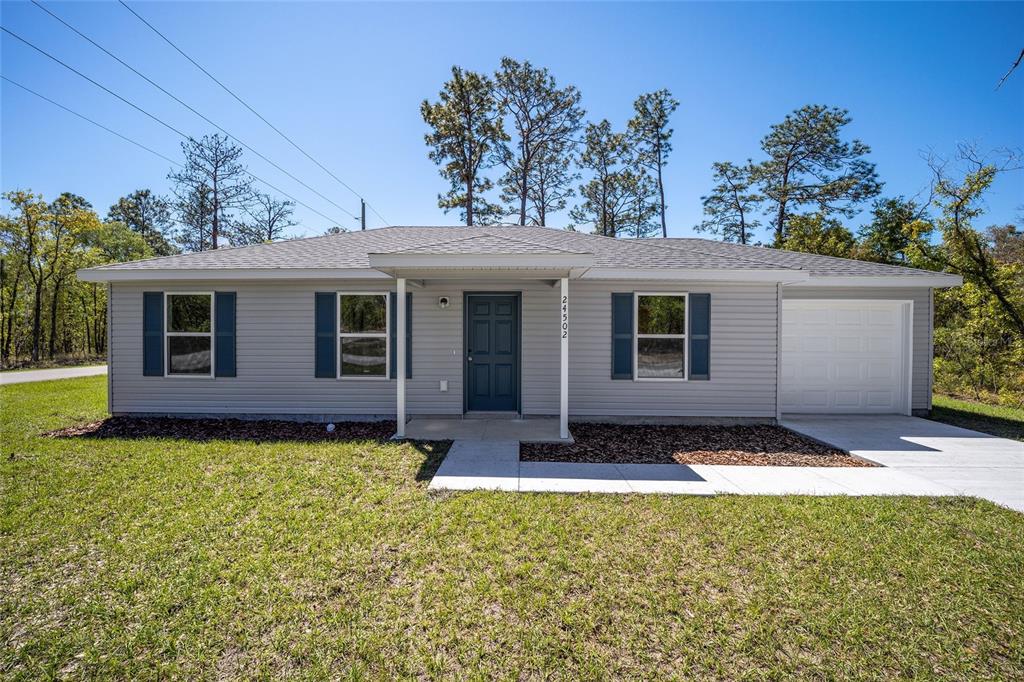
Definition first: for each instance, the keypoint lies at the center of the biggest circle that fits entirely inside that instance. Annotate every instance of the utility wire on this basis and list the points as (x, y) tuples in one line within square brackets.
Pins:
[(187, 106), (98, 85), (156, 153), (246, 105), (86, 118)]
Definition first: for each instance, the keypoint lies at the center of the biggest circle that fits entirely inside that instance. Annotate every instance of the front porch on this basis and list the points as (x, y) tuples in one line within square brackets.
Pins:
[(493, 330), (490, 429)]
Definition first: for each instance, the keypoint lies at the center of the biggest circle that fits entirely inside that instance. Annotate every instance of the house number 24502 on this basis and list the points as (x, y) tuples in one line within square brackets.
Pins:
[(565, 317)]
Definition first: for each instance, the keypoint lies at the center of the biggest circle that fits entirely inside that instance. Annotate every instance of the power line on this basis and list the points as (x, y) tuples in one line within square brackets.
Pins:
[(158, 120), (86, 118), (246, 105), (151, 151), (187, 106), (98, 85)]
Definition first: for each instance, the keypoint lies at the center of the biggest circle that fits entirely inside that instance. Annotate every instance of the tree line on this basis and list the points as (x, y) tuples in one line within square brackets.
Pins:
[(521, 122), (47, 314)]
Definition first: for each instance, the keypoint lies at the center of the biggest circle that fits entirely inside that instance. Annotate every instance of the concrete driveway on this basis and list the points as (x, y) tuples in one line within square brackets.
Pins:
[(969, 462), (50, 374)]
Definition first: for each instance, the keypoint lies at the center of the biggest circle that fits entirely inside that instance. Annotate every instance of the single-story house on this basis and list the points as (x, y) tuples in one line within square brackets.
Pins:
[(406, 321)]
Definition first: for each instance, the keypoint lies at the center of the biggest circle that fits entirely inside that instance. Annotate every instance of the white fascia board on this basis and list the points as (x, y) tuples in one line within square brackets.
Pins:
[(204, 274), (939, 279), (690, 274), (479, 260)]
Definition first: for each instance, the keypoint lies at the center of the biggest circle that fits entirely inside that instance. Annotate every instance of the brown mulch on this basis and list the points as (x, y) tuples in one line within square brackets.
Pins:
[(759, 445), (263, 430)]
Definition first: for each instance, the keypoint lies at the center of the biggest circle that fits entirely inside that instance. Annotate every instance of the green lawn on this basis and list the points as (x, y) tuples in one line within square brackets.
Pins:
[(143, 559), (1007, 422)]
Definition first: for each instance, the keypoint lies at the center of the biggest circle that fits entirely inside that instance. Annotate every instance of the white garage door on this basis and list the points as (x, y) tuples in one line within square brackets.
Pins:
[(845, 357)]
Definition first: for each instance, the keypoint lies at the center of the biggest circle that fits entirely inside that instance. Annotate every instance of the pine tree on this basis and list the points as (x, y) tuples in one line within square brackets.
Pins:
[(544, 119), (809, 165), (651, 137), (466, 137), (731, 204)]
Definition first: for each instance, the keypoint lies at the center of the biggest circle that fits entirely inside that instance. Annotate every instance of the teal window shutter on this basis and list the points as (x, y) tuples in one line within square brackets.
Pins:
[(622, 336), (153, 334), (393, 330), (700, 337), (224, 326), (326, 335)]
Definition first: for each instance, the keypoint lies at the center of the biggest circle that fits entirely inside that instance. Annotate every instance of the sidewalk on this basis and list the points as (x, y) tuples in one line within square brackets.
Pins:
[(496, 466)]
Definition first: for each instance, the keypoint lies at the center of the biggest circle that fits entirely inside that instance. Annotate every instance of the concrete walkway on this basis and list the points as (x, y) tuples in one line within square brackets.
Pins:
[(532, 430), (919, 457), (50, 374), (968, 462), (472, 465)]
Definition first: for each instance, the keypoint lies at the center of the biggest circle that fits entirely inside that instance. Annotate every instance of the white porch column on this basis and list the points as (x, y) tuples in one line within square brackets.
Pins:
[(400, 357), (563, 383)]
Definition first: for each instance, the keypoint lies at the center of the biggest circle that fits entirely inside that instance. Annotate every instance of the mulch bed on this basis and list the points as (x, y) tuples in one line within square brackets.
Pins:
[(264, 430), (759, 445)]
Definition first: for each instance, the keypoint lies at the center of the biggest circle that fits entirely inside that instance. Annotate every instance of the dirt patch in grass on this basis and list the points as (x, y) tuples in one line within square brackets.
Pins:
[(263, 430), (760, 445)]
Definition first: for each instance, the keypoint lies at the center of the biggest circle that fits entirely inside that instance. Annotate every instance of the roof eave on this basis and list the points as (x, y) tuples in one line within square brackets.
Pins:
[(936, 280), (101, 274), (704, 274)]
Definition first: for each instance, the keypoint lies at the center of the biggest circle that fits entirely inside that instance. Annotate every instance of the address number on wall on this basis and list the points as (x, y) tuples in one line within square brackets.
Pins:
[(565, 317)]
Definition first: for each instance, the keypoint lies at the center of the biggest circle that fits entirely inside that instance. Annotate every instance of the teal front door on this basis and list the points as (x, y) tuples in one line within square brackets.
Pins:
[(492, 353)]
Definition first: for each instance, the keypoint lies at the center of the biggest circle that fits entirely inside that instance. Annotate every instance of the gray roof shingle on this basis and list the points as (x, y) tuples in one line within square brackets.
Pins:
[(817, 266), (352, 249)]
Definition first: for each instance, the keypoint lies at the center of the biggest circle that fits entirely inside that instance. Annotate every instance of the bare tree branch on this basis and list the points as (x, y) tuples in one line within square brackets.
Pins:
[(1020, 58)]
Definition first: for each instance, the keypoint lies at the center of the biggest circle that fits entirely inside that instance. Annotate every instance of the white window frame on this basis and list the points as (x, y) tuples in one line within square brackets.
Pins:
[(685, 295), (168, 333), (365, 335)]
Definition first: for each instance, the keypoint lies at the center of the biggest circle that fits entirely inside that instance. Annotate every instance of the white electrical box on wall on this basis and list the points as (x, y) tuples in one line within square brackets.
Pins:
[(444, 385)]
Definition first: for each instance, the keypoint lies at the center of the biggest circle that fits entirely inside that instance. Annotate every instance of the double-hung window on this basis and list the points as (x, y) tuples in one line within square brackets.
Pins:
[(363, 335), (188, 342), (660, 339)]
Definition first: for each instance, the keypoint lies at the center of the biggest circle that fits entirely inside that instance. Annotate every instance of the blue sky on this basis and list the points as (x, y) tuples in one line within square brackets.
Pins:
[(346, 80)]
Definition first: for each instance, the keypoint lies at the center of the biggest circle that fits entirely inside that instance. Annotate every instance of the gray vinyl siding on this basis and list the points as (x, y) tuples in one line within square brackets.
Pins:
[(275, 335), (275, 354), (743, 348), (922, 333)]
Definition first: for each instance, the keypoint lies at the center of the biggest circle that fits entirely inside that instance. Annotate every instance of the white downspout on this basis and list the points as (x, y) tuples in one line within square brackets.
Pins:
[(563, 385), (778, 353), (400, 357)]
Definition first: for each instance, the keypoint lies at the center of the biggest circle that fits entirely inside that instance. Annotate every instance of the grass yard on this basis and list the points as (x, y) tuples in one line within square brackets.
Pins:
[(147, 558), (1007, 422)]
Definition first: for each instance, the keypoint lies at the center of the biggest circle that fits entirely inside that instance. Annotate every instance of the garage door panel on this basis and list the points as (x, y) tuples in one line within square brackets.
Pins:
[(842, 356), (813, 371), (848, 344), (880, 399), (848, 318), (847, 399), (881, 318), (816, 344), (881, 369), (817, 317), (847, 370)]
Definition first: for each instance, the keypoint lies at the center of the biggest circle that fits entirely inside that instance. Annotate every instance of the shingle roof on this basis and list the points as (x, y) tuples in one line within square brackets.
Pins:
[(351, 250), (485, 244), (817, 266)]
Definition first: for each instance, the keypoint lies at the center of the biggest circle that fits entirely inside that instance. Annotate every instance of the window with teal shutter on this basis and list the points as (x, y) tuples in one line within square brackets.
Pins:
[(325, 335), (622, 336), (700, 337)]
